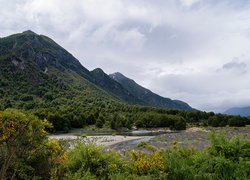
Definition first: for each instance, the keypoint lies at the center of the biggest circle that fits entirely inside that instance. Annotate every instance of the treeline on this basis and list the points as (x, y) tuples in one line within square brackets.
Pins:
[(118, 116), (27, 153), (65, 114)]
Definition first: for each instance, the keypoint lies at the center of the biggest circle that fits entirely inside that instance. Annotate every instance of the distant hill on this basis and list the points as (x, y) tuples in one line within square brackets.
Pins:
[(145, 95), (243, 111)]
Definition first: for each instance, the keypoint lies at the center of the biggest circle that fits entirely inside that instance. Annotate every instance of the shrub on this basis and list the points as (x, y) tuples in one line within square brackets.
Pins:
[(90, 158), (20, 136), (130, 176), (83, 135), (143, 163), (145, 145), (235, 149), (178, 163)]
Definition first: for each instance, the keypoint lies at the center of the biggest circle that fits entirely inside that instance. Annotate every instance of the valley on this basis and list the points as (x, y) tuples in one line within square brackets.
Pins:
[(196, 137), (58, 120)]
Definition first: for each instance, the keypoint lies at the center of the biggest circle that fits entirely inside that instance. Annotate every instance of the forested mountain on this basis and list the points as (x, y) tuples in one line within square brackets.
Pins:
[(101, 79), (242, 111), (35, 66), (38, 75), (146, 95)]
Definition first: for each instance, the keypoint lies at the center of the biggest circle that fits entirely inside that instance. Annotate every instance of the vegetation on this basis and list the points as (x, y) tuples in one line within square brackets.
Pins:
[(145, 145), (24, 145), (25, 149)]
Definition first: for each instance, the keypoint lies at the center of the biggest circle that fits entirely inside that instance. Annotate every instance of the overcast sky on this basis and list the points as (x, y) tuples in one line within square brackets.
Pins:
[(197, 51)]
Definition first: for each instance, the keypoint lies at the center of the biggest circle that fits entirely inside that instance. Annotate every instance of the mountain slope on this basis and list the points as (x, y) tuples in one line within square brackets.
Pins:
[(243, 111), (39, 56), (146, 95), (43, 52), (39, 50), (101, 79), (36, 72)]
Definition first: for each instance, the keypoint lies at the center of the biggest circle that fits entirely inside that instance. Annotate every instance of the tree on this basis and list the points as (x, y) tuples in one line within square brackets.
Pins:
[(179, 123), (236, 121), (20, 134), (100, 121)]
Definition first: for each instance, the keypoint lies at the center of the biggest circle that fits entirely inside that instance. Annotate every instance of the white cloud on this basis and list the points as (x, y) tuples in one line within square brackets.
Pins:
[(177, 48), (188, 3)]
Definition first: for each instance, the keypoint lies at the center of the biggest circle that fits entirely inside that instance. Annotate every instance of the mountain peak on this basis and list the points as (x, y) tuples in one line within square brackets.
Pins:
[(117, 75), (98, 70), (39, 50), (29, 32)]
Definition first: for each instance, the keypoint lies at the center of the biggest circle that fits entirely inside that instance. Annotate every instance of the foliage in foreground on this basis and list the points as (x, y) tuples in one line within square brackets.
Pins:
[(26, 153), (25, 150), (223, 159)]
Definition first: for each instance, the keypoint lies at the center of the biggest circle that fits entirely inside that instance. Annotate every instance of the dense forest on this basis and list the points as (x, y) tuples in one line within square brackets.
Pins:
[(64, 115)]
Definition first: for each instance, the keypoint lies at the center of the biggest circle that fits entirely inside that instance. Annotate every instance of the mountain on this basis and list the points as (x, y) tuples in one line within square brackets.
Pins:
[(39, 50), (37, 65), (37, 72), (242, 111), (146, 95), (38, 75), (101, 79)]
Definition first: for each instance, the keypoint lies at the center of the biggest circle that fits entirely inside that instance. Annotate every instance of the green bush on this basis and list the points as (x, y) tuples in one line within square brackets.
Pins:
[(145, 145), (178, 163), (90, 158), (83, 135), (223, 159), (129, 176)]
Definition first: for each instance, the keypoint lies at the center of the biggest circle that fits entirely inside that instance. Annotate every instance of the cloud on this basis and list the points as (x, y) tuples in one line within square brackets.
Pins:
[(189, 3), (235, 65), (182, 49)]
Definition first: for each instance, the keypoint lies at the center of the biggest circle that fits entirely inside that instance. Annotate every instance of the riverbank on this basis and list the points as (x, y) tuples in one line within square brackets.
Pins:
[(106, 140)]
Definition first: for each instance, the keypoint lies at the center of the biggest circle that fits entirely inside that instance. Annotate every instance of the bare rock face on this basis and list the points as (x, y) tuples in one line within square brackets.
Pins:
[(18, 63)]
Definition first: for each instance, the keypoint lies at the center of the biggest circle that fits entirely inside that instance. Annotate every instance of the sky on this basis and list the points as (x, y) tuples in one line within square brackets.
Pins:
[(197, 51)]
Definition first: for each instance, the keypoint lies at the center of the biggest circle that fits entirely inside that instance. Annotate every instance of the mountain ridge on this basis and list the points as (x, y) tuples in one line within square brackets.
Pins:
[(47, 61), (242, 111), (147, 95), (105, 82)]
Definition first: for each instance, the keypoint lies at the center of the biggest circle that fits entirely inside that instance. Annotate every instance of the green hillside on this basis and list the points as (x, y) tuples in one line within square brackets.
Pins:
[(39, 75)]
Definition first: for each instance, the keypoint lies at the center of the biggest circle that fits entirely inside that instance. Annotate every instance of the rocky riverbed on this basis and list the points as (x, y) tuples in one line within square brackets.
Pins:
[(195, 137)]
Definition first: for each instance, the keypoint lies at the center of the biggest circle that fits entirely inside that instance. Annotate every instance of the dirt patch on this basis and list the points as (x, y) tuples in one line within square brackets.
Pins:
[(196, 129)]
